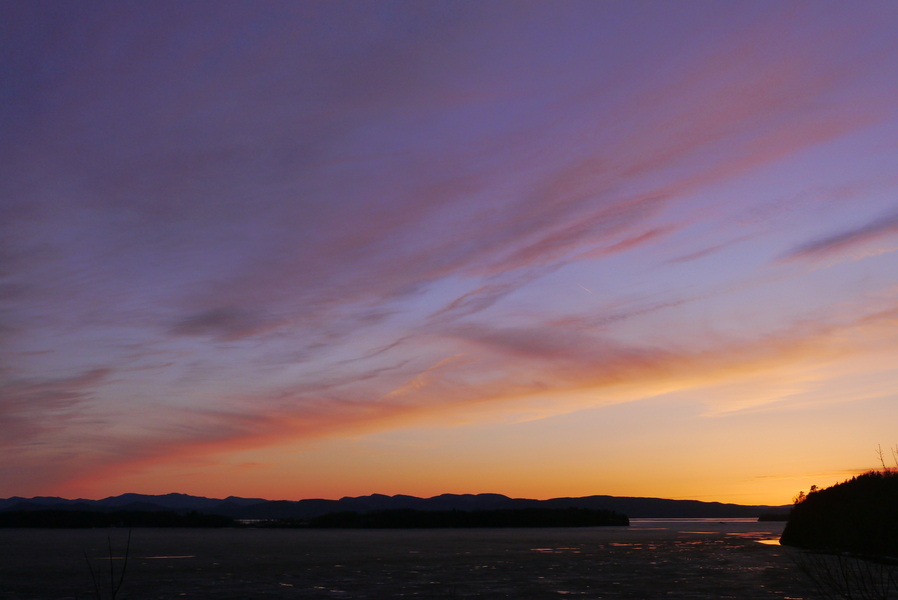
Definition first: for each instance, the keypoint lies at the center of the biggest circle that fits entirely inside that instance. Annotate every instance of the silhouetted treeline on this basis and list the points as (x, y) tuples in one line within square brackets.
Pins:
[(859, 516), (523, 517), (82, 519)]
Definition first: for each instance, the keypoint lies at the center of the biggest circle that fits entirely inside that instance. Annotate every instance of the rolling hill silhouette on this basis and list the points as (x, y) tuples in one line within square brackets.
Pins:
[(258, 508)]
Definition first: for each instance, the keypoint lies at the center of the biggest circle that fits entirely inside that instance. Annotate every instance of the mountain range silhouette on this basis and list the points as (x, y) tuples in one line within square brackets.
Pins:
[(259, 508)]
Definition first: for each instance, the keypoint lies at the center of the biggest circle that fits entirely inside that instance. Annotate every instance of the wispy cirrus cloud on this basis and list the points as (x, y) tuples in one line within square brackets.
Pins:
[(31, 407), (499, 370), (876, 229), (223, 323)]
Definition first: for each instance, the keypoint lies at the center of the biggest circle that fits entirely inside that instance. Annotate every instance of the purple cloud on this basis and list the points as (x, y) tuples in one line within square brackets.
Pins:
[(876, 229), (30, 408), (222, 323)]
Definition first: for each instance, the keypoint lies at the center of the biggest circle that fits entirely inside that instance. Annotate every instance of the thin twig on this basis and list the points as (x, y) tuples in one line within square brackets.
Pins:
[(93, 577), (121, 578), (111, 571)]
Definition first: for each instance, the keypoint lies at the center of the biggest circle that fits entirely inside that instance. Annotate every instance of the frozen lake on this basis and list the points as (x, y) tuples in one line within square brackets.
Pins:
[(650, 559)]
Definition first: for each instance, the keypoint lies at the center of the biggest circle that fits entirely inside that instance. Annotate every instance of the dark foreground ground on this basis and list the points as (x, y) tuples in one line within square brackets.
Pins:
[(650, 559)]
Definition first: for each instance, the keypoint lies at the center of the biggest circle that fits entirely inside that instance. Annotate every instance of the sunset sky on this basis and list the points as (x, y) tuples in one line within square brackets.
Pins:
[(322, 249)]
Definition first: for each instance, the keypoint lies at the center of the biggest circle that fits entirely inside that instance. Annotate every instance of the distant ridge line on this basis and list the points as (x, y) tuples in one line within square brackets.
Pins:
[(259, 508)]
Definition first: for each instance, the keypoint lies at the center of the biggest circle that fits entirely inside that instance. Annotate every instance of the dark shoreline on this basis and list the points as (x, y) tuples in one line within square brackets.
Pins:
[(385, 519)]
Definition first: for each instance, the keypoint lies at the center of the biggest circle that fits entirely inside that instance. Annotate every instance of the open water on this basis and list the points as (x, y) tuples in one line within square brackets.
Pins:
[(685, 558)]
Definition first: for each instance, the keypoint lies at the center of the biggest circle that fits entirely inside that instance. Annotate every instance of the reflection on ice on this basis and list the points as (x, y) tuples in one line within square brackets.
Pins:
[(658, 560)]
